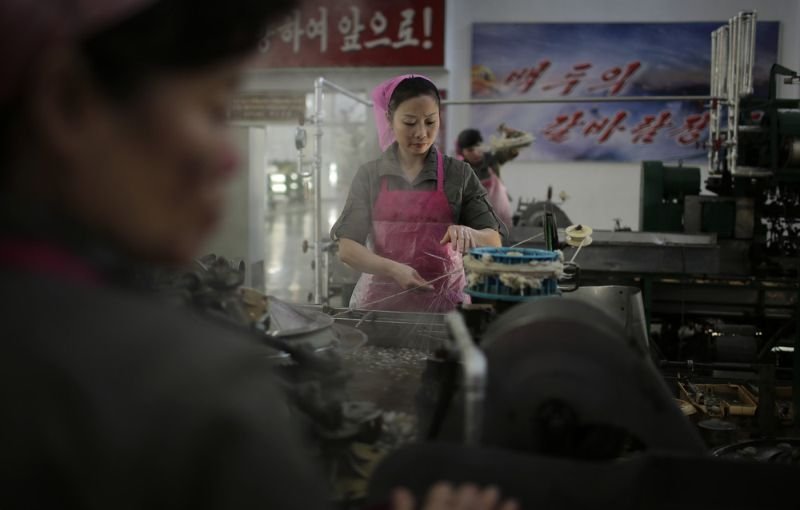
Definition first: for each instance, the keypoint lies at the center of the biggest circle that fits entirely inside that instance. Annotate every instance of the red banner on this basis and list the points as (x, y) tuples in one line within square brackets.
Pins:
[(357, 33)]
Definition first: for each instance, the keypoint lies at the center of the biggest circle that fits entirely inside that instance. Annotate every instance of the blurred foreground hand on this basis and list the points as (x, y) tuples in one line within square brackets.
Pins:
[(443, 496)]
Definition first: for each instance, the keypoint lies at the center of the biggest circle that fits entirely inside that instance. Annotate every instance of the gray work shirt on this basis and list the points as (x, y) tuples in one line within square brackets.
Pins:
[(464, 192)]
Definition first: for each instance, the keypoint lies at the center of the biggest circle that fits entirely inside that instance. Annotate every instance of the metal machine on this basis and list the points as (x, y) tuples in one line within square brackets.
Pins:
[(719, 272), (706, 294), (559, 383), (532, 213)]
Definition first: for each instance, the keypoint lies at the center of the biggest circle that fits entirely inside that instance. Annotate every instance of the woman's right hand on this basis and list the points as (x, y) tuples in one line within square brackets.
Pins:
[(408, 277)]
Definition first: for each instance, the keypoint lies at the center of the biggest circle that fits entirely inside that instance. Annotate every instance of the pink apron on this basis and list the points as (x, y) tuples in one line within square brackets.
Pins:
[(407, 227), (497, 194)]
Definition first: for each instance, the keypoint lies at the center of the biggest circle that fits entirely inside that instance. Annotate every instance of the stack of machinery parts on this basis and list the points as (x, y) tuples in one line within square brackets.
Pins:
[(719, 272), (317, 359), (754, 146), (754, 170)]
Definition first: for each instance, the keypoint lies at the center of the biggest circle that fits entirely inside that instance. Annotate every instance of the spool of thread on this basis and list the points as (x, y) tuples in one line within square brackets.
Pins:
[(585, 241), (578, 231), (579, 235)]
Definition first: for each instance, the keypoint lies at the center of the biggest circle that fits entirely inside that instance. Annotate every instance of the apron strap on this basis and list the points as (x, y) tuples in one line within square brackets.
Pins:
[(439, 171)]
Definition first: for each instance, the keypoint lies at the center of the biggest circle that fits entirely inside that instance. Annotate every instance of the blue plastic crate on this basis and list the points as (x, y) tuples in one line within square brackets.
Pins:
[(502, 256), (493, 289)]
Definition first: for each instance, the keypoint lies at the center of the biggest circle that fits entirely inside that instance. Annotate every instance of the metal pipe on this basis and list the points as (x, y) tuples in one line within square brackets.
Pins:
[(752, 51), (475, 368), (345, 92), (796, 362), (745, 53), (719, 366), (317, 180), (713, 78), (712, 110), (748, 37), (722, 104), (733, 93), (722, 45), (603, 99)]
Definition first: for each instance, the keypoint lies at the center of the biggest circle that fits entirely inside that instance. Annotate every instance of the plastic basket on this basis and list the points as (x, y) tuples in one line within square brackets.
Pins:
[(491, 288), (525, 255)]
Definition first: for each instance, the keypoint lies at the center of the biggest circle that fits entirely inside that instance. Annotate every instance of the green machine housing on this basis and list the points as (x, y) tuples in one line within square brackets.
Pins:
[(663, 191)]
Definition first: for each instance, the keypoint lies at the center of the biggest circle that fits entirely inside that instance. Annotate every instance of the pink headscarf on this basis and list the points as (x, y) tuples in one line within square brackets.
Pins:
[(29, 26), (380, 105)]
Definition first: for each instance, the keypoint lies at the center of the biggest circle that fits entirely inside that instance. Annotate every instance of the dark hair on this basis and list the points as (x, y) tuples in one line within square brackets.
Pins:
[(468, 138), (411, 88), (177, 36)]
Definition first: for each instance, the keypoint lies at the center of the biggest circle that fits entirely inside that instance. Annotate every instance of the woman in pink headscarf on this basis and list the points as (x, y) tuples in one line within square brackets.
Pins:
[(417, 209)]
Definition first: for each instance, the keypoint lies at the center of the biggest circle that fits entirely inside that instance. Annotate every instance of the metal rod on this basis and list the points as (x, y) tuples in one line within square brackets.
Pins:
[(602, 99), (733, 92), (713, 77), (724, 38), (719, 366), (796, 362), (712, 133), (345, 92), (751, 51), (317, 171), (475, 368)]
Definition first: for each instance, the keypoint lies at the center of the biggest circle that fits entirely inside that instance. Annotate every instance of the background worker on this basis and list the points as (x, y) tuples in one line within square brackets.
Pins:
[(487, 163)]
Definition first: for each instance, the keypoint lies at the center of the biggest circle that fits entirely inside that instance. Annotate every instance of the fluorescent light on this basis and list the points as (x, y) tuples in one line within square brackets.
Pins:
[(333, 174)]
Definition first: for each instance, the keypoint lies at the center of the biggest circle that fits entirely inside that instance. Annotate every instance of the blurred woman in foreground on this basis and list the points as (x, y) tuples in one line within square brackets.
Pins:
[(113, 153)]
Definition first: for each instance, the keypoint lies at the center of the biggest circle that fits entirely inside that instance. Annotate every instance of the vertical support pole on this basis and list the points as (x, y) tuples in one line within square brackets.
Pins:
[(317, 180), (751, 51), (796, 362), (766, 400), (735, 80), (647, 298), (712, 132)]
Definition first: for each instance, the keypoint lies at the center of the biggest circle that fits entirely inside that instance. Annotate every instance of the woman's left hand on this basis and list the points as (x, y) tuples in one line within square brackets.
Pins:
[(460, 237)]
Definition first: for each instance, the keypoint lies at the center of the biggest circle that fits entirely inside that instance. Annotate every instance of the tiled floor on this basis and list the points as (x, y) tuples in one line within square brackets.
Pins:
[(289, 273)]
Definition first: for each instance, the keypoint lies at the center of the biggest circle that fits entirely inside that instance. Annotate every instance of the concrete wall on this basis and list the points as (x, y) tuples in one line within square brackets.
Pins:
[(599, 192)]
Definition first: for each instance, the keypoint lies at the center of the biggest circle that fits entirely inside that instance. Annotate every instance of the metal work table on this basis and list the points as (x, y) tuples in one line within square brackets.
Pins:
[(636, 252), (389, 369)]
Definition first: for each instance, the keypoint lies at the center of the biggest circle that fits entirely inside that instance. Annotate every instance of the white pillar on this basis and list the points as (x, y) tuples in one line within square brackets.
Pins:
[(241, 234)]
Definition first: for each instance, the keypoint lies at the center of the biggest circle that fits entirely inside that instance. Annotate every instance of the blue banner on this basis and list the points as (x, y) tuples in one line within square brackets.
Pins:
[(567, 60)]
